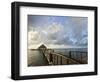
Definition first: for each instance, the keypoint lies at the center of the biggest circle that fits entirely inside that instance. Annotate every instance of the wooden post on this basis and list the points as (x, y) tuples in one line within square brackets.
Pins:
[(54, 59), (69, 54), (50, 57), (86, 57), (67, 61), (81, 57), (57, 60), (61, 60)]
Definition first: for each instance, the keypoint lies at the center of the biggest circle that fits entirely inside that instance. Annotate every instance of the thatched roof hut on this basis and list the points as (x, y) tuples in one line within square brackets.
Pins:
[(42, 47)]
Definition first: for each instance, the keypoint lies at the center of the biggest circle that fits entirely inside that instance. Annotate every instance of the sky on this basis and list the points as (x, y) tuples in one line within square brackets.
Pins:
[(57, 31)]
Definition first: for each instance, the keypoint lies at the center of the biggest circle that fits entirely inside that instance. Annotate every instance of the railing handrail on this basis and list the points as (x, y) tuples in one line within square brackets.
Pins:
[(58, 54), (70, 58)]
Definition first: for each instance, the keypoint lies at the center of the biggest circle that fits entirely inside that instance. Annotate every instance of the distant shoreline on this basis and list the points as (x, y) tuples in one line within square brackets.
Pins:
[(60, 48)]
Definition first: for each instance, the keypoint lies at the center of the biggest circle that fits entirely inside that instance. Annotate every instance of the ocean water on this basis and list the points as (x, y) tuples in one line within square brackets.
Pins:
[(71, 49)]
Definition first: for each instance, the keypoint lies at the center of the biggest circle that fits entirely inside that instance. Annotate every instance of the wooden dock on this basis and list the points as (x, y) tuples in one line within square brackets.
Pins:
[(59, 59), (43, 57)]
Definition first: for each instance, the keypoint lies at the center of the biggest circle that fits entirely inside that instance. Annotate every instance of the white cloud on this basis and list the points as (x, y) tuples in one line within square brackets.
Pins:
[(33, 37), (54, 28)]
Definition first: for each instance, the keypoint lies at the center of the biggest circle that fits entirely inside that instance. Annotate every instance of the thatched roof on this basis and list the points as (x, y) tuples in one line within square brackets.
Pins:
[(42, 46)]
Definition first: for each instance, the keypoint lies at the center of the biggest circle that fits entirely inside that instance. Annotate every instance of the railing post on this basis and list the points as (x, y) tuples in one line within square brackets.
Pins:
[(86, 57), (54, 59), (69, 54), (50, 57), (57, 60), (61, 60), (67, 61), (81, 57)]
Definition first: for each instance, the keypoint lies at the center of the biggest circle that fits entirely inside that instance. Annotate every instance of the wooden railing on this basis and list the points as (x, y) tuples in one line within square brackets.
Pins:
[(60, 59), (79, 56), (73, 57)]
